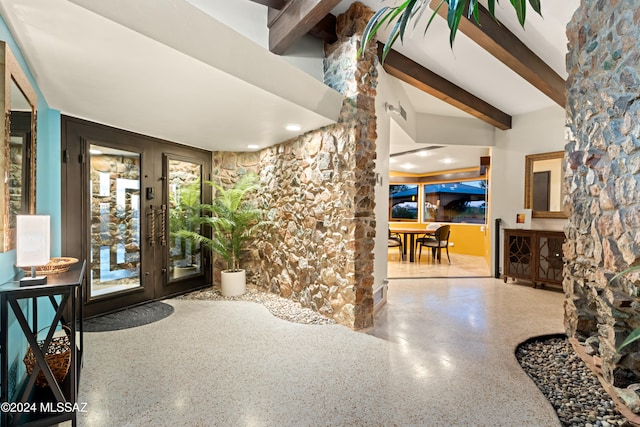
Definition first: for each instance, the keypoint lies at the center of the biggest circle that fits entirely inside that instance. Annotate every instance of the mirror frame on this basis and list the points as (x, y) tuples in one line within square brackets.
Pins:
[(528, 184), (11, 70)]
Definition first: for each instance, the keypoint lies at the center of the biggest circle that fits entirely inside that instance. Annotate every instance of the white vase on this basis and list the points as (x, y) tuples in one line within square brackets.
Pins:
[(234, 283)]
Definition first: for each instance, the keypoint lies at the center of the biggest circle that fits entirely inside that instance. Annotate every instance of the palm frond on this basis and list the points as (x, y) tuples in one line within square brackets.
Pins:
[(232, 219), (410, 10), (633, 336), (521, 10)]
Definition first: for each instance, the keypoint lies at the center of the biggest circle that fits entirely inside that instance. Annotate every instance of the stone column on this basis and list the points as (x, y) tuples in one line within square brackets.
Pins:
[(602, 180), (356, 78)]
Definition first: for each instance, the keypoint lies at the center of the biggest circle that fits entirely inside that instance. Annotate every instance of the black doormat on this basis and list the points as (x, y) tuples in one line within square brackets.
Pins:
[(129, 318)]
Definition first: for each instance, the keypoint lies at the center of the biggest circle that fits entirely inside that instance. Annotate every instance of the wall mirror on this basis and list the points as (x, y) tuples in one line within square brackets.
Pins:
[(543, 185), (17, 158)]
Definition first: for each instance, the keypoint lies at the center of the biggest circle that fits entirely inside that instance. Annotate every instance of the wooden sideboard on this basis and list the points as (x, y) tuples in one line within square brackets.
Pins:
[(533, 255)]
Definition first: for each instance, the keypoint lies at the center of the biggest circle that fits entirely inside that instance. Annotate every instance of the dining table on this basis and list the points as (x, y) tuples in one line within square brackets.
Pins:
[(410, 239)]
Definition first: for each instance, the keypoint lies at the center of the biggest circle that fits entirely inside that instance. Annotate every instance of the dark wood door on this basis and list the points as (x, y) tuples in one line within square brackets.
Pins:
[(117, 210)]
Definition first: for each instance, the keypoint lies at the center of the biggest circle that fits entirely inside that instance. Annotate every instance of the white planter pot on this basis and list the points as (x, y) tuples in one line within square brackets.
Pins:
[(234, 283)]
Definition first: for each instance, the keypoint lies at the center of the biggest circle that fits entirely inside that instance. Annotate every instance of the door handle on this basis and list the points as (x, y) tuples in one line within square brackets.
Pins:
[(151, 226), (162, 223)]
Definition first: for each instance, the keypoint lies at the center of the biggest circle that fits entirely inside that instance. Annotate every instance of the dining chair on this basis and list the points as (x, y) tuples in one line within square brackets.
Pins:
[(396, 241), (439, 240), (428, 236)]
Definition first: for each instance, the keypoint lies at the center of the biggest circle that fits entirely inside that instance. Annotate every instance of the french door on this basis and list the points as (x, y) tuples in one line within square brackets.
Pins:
[(127, 202)]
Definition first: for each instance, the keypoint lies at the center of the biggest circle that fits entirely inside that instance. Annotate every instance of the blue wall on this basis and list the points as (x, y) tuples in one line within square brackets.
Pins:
[(48, 202), (48, 172)]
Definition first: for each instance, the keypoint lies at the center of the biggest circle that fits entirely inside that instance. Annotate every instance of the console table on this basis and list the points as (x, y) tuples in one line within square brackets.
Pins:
[(31, 405), (534, 256)]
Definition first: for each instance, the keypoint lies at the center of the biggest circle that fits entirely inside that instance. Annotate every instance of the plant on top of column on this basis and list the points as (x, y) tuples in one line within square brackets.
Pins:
[(412, 11)]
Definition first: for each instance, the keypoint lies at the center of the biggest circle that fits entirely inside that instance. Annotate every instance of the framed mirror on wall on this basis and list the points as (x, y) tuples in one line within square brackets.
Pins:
[(543, 185), (17, 158)]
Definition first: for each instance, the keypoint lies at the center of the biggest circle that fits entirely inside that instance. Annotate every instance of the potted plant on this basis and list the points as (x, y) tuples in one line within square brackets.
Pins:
[(233, 219), (184, 214)]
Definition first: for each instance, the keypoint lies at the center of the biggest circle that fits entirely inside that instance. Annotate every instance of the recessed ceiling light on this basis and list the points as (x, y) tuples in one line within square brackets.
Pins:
[(423, 153), (293, 127), (392, 160), (447, 161), (94, 151), (253, 146), (408, 166)]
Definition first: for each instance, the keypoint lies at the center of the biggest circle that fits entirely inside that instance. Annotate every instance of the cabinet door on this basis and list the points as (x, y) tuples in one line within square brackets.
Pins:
[(518, 255), (550, 260)]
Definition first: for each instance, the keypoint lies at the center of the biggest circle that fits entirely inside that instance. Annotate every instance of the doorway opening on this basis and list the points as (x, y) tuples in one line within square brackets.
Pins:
[(434, 186)]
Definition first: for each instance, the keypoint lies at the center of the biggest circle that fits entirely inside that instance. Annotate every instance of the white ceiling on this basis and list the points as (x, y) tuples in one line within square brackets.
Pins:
[(430, 158), (193, 80), (173, 69)]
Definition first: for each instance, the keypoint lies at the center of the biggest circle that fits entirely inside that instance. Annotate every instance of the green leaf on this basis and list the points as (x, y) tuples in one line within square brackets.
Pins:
[(414, 9), (623, 272), (535, 4), (405, 18), (451, 12), (521, 10), (492, 7), (435, 13), (419, 10), (454, 20), (387, 46), (633, 336), (473, 11), (371, 29)]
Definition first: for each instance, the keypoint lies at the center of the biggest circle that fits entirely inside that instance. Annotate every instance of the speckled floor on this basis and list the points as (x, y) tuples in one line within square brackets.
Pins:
[(441, 354)]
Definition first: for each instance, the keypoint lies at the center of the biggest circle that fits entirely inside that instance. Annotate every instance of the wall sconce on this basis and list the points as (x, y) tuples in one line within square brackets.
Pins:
[(390, 108), (32, 246)]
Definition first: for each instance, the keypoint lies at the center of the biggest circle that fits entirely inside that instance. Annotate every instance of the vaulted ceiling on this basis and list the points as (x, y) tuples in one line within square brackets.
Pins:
[(495, 70), (174, 69)]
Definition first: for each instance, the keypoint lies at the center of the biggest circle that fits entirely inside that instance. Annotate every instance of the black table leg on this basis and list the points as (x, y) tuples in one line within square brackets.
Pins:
[(410, 237)]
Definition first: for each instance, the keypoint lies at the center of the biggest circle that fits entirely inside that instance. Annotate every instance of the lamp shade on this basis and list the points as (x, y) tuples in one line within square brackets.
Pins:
[(32, 240)]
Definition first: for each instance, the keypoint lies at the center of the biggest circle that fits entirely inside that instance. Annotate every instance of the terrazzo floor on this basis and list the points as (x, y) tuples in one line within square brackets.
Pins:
[(441, 354)]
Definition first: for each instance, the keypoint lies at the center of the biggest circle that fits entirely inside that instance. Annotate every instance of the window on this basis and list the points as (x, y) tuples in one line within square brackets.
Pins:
[(403, 202), (459, 202)]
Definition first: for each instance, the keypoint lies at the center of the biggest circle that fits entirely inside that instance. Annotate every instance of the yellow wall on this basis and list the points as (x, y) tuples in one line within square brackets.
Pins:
[(469, 239)]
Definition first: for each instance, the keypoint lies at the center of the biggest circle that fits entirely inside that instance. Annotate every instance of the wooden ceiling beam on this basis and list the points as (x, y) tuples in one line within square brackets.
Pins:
[(296, 19), (275, 4), (426, 80), (325, 30), (506, 47)]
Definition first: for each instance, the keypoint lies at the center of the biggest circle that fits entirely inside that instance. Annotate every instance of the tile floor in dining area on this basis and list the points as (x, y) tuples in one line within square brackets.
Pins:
[(461, 265), (441, 353)]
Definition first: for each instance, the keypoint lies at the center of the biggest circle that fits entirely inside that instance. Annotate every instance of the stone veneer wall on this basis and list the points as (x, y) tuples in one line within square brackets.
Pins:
[(602, 176), (319, 190)]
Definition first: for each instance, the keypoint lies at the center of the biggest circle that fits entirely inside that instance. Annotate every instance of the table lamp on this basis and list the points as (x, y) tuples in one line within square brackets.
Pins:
[(32, 246)]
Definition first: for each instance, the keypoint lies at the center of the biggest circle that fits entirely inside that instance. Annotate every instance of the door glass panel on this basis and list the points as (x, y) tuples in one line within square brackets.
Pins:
[(115, 220), (184, 182)]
